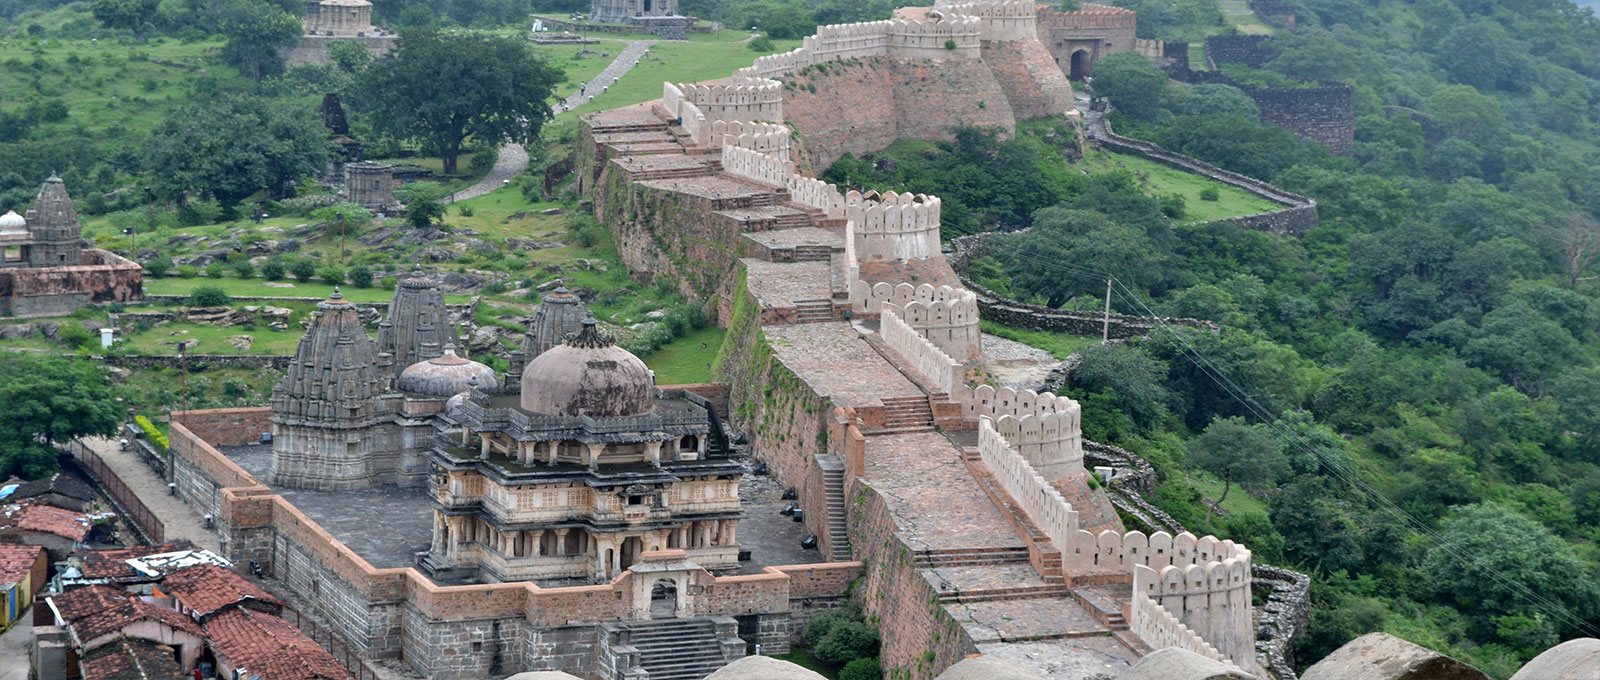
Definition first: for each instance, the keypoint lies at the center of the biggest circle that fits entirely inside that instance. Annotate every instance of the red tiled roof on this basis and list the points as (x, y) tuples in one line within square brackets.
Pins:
[(130, 659), (16, 561), (53, 520), (113, 563), (94, 611), (207, 588), (271, 647)]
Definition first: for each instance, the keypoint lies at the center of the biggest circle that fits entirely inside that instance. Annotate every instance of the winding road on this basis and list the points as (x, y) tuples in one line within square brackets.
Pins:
[(513, 159)]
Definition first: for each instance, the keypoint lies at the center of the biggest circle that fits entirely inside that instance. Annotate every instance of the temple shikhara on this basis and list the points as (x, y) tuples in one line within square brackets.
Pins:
[(44, 268)]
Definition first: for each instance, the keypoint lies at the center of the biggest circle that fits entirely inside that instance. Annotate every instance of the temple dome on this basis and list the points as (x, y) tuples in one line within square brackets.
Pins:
[(445, 376), (11, 221), (587, 376)]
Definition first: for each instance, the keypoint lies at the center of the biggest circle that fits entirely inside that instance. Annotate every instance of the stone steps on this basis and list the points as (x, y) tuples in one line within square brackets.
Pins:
[(962, 557), (1037, 592), (677, 649), (901, 412), (671, 173), (812, 253), (813, 311), (833, 491)]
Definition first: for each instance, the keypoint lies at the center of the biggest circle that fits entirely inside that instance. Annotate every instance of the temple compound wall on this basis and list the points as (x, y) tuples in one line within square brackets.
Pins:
[(102, 277), (466, 631)]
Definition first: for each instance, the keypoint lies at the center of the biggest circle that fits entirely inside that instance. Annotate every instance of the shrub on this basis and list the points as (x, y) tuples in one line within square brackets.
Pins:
[(950, 44), (303, 270), (762, 44), (862, 669), (466, 211), (151, 433), (244, 269), (1210, 194), (332, 276), (361, 276), (273, 270), (187, 271), (214, 270), (73, 336), (158, 266), (209, 296), (841, 635)]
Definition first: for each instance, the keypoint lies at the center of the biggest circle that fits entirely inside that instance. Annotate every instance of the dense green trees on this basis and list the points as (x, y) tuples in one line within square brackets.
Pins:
[(50, 401), (442, 89), (232, 147)]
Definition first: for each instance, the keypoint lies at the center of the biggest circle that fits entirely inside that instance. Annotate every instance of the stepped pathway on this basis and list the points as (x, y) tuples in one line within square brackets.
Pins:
[(513, 159), (677, 649), (833, 488)]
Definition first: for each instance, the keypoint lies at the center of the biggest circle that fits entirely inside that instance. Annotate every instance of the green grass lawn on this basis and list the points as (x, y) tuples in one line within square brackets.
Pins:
[(687, 359), (679, 62), (288, 288), (1158, 179), (504, 213), (1059, 345), (1239, 16), (113, 89), (163, 339), (1238, 501)]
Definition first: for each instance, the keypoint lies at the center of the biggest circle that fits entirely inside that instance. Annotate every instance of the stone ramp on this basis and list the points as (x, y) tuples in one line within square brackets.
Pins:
[(938, 506), (814, 352)]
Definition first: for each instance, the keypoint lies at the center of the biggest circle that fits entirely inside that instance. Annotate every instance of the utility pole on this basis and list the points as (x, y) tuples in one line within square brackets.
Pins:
[(1105, 326)]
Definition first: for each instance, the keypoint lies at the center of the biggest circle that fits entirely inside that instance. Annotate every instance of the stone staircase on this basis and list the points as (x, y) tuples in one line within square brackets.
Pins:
[(833, 490), (813, 311), (1024, 592), (1105, 603), (792, 220), (676, 649), (670, 173), (813, 253), (963, 557), (907, 413)]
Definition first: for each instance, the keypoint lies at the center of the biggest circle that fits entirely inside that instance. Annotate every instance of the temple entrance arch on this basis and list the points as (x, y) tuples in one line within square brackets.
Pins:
[(1082, 65), (664, 599)]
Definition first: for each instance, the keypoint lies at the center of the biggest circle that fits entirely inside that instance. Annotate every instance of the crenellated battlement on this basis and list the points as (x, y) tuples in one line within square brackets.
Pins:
[(768, 138), (935, 38), (742, 99), (891, 226), (1000, 19), (1045, 428), (945, 315), (756, 166)]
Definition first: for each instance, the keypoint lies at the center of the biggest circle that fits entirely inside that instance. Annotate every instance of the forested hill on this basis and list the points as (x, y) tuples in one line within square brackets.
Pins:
[(1410, 392)]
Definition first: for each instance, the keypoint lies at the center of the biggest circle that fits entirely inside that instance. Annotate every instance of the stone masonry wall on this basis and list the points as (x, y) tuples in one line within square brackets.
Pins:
[(54, 291), (862, 105), (662, 233), (1034, 85)]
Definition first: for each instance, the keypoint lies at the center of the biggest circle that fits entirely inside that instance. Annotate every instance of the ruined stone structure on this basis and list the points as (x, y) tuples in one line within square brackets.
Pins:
[(1323, 113), (651, 16), (580, 474), (371, 184), (44, 268), (329, 20), (1077, 40)]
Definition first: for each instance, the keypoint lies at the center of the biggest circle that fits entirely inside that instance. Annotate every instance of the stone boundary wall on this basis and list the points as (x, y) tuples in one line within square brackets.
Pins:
[(742, 99), (917, 352), (1324, 114), (891, 226), (946, 316), (1278, 14), (1299, 214), (1283, 618), (1159, 628), (895, 38), (1205, 598), (1043, 428), (101, 276), (198, 362), (765, 138), (1043, 503), (1237, 49), (363, 602), (591, 27), (756, 167)]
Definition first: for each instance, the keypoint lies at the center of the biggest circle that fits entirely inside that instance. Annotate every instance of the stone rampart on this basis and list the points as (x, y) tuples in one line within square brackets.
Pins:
[(1206, 598), (946, 316), (1044, 429), (1278, 14), (1033, 83), (1158, 628), (101, 276), (920, 354), (953, 38), (891, 226), (1049, 510), (1324, 113), (765, 138), (756, 166), (1005, 20), (738, 99), (1249, 50)]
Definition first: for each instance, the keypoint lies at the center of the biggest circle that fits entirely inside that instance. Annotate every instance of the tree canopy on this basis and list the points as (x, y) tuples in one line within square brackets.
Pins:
[(50, 401), (232, 147), (444, 89)]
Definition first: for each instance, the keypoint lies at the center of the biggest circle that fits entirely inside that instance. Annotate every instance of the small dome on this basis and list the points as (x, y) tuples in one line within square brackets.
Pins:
[(587, 376), (453, 404), (444, 376), (12, 221)]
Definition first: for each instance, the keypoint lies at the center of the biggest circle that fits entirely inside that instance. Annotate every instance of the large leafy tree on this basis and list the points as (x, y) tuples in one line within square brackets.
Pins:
[(1133, 83), (442, 89), (1238, 452), (231, 148), (49, 401), (258, 32), (131, 15)]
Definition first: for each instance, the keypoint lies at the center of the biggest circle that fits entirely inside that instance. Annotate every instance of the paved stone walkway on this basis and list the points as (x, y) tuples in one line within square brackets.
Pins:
[(179, 519), (14, 646), (513, 159)]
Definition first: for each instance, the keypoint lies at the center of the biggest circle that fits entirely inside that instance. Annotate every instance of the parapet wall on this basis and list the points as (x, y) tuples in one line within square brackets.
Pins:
[(1206, 598), (738, 99), (1044, 429), (1043, 503), (946, 316), (892, 226), (1000, 19), (920, 354)]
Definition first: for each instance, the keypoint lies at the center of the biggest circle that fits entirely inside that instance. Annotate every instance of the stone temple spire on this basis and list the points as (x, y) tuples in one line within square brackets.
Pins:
[(559, 314), (53, 224), (327, 404), (418, 325)]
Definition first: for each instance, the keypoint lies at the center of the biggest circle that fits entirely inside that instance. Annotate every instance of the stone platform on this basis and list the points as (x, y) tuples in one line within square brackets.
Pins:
[(815, 351)]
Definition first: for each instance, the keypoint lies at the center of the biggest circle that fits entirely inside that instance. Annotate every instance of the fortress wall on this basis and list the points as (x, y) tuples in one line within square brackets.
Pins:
[(892, 226), (667, 233), (1029, 76), (1043, 503), (946, 316), (1238, 49), (739, 99), (766, 138), (1001, 19), (954, 38), (919, 637), (1321, 114), (1043, 428), (919, 353), (755, 166), (863, 106), (1205, 598), (1159, 628)]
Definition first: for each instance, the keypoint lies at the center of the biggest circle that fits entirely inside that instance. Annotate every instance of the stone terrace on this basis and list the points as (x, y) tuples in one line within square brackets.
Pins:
[(814, 352), (780, 286), (932, 496)]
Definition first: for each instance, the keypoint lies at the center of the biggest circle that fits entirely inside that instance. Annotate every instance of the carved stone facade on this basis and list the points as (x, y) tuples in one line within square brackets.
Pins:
[(44, 268), (417, 327), (371, 186), (625, 10), (329, 20), (578, 470), (1079, 39)]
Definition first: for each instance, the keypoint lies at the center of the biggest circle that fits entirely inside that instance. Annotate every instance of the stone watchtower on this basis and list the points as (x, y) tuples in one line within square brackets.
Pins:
[(54, 230), (418, 325), (328, 406)]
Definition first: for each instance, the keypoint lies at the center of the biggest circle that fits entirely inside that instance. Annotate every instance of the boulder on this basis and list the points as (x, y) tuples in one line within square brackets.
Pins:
[(18, 331), (1577, 659), (241, 342), (436, 254), (1380, 656)]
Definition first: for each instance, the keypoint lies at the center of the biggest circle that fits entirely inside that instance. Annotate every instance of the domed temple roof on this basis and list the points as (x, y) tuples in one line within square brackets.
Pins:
[(559, 314), (445, 376), (11, 221), (587, 376)]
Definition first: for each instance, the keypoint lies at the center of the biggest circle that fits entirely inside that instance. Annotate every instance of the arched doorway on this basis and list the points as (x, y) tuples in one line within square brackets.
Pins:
[(1081, 66), (631, 547), (664, 599)]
